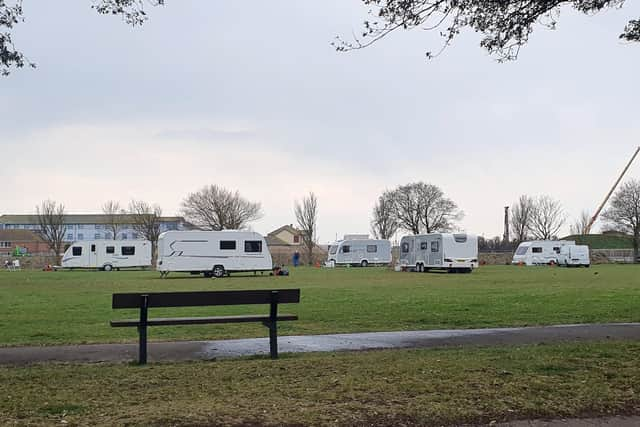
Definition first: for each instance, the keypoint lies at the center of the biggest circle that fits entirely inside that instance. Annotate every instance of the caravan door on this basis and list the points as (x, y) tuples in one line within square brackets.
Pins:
[(435, 251), (92, 255)]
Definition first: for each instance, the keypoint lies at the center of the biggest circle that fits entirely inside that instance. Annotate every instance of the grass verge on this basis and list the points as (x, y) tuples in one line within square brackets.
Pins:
[(399, 387)]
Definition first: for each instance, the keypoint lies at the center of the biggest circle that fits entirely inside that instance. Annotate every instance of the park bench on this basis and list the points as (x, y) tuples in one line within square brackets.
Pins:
[(146, 300)]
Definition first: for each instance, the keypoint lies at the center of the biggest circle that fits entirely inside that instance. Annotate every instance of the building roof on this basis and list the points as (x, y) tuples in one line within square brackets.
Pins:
[(19, 236), (79, 219), (288, 228), (275, 241)]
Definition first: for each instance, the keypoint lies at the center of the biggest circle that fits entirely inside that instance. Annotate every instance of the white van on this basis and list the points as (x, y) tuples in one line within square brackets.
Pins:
[(539, 252), (455, 252), (362, 252), (108, 255), (212, 253), (574, 256)]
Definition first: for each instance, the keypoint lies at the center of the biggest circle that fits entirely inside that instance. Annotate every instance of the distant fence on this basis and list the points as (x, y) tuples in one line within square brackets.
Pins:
[(612, 255)]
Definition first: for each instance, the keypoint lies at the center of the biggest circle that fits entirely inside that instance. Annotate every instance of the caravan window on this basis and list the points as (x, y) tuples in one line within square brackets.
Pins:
[(345, 249), (77, 250), (128, 250), (460, 238), (111, 249), (522, 250), (435, 246), (93, 248), (556, 249), (253, 246), (372, 248), (424, 246), (536, 250), (333, 249), (227, 245), (405, 248)]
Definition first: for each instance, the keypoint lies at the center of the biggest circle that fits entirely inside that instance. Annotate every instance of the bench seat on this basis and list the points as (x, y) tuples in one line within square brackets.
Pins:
[(201, 320)]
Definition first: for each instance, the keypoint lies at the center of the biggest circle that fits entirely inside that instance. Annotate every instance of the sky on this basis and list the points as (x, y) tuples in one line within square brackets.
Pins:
[(251, 95)]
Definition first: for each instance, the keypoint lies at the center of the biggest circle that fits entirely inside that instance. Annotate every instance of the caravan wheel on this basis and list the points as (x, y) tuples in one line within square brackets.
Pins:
[(107, 267), (218, 271), (364, 263)]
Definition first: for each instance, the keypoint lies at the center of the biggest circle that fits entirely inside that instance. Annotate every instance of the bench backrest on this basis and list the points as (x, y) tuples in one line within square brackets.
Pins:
[(205, 298)]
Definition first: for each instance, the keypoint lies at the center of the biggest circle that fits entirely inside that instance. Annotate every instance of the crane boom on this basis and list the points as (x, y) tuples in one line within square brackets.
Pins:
[(606, 199)]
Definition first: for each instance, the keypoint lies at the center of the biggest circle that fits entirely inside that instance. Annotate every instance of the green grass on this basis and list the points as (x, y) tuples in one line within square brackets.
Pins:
[(603, 241), (399, 387), (44, 308)]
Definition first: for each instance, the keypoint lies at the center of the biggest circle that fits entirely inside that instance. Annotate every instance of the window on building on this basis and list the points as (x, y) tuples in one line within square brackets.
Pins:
[(372, 248), (5, 244), (97, 236), (536, 250), (228, 245), (345, 249), (111, 249), (69, 226), (69, 236), (435, 246), (253, 246), (98, 226), (134, 235), (424, 246), (296, 238), (76, 251), (80, 226), (80, 236), (108, 236), (123, 236), (128, 250)]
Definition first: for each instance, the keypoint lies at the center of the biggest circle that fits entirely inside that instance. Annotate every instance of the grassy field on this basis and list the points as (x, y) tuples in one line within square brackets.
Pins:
[(399, 387), (44, 308)]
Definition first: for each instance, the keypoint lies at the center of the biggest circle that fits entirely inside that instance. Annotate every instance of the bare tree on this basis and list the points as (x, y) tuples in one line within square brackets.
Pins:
[(307, 217), (115, 217), (216, 208), (424, 207), (547, 219), (145, 220), (581, 224), (384, 224), (624, 212), (521, 217), (504, 25), (51, 217)]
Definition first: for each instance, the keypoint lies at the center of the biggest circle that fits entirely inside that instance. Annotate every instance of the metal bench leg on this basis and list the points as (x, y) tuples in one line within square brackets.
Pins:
[(142, 330), (273, 327)]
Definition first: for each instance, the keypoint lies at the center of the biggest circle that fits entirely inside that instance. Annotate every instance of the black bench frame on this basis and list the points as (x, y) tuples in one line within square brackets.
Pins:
[(145, 301)]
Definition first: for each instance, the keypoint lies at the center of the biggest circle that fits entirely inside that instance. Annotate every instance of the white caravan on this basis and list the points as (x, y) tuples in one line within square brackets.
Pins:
[(212, 253), (455, 252), (574, 256), (362, 252), (108, 255), (539, 252)]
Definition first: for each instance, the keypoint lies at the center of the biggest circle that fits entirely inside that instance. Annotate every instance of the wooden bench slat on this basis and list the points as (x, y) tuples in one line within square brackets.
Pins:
[(201, 320), (205, 298)]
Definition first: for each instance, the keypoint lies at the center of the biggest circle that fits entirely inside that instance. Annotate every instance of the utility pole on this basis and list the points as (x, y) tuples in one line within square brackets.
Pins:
[(505, 236)]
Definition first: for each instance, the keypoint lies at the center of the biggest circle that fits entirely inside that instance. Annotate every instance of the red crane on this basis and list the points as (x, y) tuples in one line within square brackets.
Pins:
[(606, 199)]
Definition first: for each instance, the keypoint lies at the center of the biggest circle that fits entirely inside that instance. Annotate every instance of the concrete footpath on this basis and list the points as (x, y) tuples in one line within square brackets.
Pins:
[(211, 350)]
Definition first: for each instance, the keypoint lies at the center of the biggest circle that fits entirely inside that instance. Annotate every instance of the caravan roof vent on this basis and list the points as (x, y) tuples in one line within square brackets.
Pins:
[(460, 238)]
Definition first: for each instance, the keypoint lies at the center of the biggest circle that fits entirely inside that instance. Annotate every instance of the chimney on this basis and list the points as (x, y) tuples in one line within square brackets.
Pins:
[(505, 236)]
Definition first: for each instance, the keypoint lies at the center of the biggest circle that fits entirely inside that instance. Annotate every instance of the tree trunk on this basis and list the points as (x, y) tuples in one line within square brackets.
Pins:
[(636, 243)]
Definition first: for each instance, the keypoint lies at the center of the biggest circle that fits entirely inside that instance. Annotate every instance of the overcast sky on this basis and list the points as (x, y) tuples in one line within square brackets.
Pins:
[(250, 95)]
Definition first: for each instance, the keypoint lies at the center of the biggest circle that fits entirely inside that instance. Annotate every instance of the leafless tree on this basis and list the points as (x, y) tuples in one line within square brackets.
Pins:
[(51, 218), (424, 207), (115, 217), (581, 224), (384, 224), (547, 219), (624, 212), (307, 217), (145, 220), (216, 208), (521, 217)]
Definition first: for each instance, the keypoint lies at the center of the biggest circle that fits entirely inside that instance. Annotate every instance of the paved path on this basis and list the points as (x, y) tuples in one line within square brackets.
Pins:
[(207, 350)]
